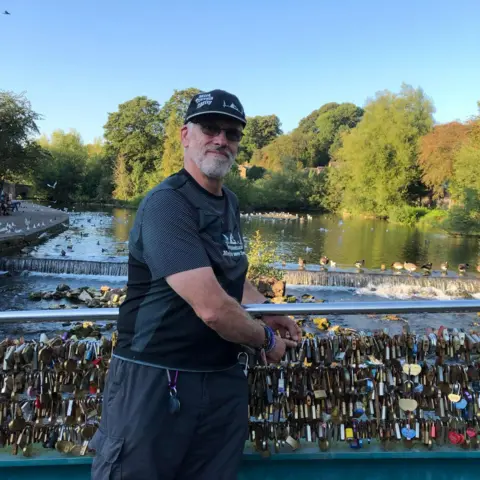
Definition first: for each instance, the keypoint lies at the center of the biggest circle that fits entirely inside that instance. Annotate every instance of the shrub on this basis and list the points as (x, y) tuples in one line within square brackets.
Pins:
[(262, 256), (406, 214)]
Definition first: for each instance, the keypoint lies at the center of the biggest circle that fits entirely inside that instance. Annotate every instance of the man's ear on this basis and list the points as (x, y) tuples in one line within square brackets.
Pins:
[(184, 136)]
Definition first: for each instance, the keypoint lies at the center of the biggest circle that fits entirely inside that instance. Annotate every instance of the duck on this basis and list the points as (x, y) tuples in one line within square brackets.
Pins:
[(324, 260), (301, 262), (383, 267), (427, 268), (360, 263), (397, 266), (409, 267), (334, 264), (463, 267), (444, 267)]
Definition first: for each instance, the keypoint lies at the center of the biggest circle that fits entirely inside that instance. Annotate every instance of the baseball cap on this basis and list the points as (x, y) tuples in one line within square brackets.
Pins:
[(218, 102)]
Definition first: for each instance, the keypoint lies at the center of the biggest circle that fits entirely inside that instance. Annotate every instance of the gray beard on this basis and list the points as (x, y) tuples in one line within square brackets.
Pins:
[(215, 169)]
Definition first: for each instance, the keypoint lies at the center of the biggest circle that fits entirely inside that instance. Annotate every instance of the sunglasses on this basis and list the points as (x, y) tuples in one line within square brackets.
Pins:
[(212, 130)]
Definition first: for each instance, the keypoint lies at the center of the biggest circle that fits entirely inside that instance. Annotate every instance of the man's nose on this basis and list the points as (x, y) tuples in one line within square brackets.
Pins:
[(220, 139)]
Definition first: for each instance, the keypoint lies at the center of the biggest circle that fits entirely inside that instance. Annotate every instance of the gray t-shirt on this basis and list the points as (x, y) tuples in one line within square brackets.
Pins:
[(180, 226)]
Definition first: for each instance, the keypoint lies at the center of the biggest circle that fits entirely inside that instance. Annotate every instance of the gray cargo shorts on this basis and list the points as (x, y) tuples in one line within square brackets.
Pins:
[(139, 439)]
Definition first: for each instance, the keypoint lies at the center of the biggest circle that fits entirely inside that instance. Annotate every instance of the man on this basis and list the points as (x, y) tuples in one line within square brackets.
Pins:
[(175, 401)]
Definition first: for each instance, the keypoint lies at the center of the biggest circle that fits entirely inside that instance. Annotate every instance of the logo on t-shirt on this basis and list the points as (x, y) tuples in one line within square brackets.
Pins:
[(233, 244)]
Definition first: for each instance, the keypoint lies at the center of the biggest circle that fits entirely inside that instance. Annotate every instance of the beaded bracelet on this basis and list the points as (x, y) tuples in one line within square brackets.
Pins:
[(269, 342)]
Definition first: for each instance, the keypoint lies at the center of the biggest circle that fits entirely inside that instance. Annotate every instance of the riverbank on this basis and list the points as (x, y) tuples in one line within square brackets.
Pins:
[(29, 225)]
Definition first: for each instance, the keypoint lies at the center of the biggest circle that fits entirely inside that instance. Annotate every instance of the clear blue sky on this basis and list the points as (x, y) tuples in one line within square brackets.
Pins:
[(77, 60)]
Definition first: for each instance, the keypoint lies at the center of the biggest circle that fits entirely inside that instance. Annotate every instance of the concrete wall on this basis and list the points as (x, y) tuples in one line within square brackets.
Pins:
[(16, 189)]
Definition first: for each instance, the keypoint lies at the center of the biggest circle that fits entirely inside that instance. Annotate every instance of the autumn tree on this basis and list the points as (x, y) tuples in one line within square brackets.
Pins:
[(437, 151)]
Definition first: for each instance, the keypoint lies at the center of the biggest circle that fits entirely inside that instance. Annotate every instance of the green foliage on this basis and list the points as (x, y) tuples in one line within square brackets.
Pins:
[(97, 184), (63, 167), (19, 153), (135, 132), (406, 214), (261, 257), (464, 220), (259, 132), (377, 164), (313, 142), (273, 156), (82, 172), (242, 187), (289, 189), (331, 125), (178, 102), (255, 172), (433, 219), (464, 216), (172, 160), (308, 123), (122, 181)]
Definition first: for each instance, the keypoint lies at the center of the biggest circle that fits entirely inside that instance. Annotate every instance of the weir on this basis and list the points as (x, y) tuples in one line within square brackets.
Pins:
[(449, 283), (52, 265)]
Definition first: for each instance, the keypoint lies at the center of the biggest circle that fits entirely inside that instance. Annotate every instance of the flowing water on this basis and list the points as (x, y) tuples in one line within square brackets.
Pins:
[(93, 252)]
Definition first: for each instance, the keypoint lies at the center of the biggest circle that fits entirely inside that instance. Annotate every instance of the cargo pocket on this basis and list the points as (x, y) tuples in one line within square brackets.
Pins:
[(106, 464)]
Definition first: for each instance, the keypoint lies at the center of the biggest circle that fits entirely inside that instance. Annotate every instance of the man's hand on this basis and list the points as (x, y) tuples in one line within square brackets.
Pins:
[(278, 351), (283, 324)]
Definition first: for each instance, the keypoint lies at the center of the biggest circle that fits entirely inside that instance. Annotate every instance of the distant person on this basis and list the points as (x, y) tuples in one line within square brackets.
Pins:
[(176, 398)]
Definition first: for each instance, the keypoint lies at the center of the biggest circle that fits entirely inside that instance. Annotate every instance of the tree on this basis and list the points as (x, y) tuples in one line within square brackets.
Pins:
[(464, 216), (18, 124), (437, 150), (377, 163), (135, 132), (179, 102), (255, 172), (272, 156), (172, 160), (121, 178), (322, 131), (259, 132), (308, 123), (331, 124), (97, 147), (60, 175)]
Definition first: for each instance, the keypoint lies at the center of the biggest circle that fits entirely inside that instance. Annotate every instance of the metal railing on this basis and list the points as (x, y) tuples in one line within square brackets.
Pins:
[(346, 308)]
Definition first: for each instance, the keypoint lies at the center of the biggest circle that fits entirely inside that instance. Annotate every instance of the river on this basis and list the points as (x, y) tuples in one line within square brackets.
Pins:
[(343, 240), (101, 235)]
